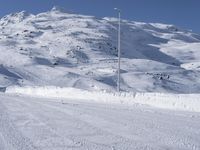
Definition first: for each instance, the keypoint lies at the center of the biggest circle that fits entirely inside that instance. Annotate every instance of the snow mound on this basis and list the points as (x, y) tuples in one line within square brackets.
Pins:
[(184, 102)]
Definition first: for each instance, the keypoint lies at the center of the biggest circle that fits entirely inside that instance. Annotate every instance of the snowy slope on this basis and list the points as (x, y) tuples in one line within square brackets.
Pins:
[(57, 48)]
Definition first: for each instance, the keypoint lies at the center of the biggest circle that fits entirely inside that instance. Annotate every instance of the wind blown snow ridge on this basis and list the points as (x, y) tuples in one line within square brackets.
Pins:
[(184, 102)]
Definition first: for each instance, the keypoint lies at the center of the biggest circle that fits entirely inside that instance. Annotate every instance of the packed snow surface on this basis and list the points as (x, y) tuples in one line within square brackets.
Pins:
[(57, 48), (50, 124)]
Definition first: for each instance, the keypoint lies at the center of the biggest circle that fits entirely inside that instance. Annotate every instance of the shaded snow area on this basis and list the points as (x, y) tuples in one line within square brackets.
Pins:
[(57, 48), (49, 124), (184, 102)]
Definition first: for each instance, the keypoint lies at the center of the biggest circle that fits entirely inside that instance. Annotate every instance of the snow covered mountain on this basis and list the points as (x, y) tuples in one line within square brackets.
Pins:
[(70, 50)]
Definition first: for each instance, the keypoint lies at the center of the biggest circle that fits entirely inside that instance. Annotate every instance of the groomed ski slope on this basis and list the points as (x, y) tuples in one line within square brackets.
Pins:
[(28, 123), (184, 102)]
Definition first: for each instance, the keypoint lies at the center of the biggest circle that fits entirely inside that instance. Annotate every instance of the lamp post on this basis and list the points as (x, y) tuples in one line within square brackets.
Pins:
[(119, 48)]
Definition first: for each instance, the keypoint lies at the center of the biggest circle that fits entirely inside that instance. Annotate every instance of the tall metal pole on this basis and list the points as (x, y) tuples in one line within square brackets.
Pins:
[(119, 49)]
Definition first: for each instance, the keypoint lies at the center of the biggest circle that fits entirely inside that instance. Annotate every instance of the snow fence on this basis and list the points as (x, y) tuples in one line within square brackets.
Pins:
[(185, 102)]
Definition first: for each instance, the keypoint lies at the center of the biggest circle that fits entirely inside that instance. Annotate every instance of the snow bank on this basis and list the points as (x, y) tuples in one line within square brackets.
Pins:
[(185, 102)]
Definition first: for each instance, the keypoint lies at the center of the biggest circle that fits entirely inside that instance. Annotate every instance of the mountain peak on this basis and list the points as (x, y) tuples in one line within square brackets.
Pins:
[(15, 17), (57, 9), (59, 48), (23, 14)]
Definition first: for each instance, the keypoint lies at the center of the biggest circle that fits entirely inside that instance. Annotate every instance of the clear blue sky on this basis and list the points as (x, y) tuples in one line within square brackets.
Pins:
[(183, 13)]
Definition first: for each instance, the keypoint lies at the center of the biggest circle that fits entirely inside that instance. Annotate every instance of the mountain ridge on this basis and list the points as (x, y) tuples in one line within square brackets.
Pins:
[(65, 49)]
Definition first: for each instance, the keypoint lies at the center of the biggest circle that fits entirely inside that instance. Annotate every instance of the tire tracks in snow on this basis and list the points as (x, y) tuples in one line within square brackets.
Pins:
[(11, 135), (86, 121), (42, 114), (93, 126), (76, 125)]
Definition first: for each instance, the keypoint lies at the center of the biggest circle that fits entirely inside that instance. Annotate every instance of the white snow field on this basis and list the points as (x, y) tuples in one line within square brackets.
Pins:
[(184, 102), (57, 48), (58, 74), (50, 124)]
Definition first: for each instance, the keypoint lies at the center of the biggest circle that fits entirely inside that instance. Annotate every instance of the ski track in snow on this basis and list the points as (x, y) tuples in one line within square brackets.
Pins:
[(34, 123), (10, 134)]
